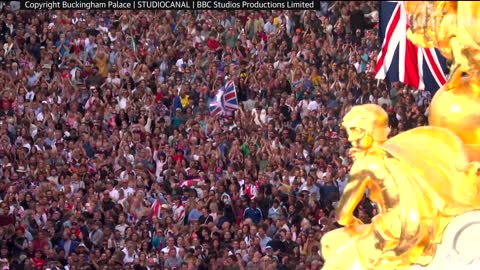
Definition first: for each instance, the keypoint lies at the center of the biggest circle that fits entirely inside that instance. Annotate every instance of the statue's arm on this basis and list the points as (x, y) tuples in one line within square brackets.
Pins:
[(351, 197), (366, 173)]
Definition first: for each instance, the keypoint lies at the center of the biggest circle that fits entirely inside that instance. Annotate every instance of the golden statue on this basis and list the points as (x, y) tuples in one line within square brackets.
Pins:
[(420, 180), (423, 178), (452, 27)]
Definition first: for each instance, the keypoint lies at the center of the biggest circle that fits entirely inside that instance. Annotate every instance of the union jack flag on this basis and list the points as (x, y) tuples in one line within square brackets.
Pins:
[(91, 166), (401, 60), (230, 101), (225, 100)]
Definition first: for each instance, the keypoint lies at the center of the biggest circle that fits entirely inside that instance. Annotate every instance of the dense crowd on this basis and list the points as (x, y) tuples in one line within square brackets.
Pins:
[(111, 159)]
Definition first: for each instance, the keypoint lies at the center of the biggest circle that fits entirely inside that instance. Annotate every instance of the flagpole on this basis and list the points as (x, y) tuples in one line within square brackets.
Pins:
[(332, 6)]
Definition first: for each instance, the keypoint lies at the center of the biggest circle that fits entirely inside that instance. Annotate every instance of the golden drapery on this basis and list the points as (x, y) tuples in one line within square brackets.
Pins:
[(436, 182)]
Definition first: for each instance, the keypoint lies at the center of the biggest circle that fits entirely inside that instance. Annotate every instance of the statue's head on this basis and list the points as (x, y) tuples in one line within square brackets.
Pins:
[(366, 124)]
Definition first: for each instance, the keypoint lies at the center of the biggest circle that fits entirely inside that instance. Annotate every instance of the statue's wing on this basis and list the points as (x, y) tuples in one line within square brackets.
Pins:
[(441, 163), (423, 162)]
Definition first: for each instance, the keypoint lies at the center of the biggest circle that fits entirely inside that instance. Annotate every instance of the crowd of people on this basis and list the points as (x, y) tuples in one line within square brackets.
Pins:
[(111, 159)]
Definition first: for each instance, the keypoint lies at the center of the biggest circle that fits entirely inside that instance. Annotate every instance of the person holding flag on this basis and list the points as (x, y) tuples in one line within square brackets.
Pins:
[(225, 101)]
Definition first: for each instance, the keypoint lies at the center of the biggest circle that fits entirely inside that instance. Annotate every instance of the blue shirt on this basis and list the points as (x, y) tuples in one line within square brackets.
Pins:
[(88, 148), (254, 214), (62, 50), (264, 242), (274, 213), (194, 214), (177, 103)]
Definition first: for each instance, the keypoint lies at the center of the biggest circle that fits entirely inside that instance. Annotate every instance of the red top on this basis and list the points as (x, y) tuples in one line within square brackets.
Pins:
[(213, 44), (38, 262), (178, 158)]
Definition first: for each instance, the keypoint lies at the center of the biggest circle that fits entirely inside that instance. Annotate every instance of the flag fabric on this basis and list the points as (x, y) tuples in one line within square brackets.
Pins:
[(401, 60), (225, 100), (216, 105), (156, 208), (190, 182), (91, 166), (230, 97)]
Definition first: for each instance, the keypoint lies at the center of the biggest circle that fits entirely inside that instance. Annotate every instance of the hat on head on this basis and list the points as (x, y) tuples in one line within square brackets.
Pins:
[(82, 245), (21, 169)]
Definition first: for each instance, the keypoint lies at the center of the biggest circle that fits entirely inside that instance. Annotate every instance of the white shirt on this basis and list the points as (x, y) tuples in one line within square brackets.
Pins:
[(30, 96), (39, 116), (128, 258), (124, 174), (160, 167), (121, 228), (313, 105), (384, 101), (303, 107), (114, 195), (122, 102), (180, 62), (358, 67), (73, 72), (128, 191), (250, 190), (115, 81), (111, 37)]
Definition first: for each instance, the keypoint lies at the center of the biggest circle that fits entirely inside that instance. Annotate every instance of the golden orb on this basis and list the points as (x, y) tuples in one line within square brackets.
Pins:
[(457, 109)]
